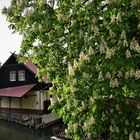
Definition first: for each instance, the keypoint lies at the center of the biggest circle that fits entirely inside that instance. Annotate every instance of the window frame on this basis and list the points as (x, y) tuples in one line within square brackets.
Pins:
[(21, 75), (12, 76)]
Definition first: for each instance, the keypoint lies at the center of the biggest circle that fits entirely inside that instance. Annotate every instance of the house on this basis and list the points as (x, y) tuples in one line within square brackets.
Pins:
[(20, 91)]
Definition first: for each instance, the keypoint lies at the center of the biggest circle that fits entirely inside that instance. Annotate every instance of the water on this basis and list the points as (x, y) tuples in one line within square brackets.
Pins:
[(14, 131)]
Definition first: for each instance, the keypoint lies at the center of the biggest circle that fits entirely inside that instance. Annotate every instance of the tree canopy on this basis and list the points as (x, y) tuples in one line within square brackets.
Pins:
[(90, 50)]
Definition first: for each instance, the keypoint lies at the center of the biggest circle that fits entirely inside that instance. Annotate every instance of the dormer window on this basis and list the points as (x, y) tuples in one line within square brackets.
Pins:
[(21, 75), (12, 75)]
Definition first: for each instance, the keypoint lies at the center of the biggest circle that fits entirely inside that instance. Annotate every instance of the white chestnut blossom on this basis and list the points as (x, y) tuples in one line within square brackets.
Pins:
[(89, 122), (113, 18), (137, 74), (131, 137), (109, 53), (84, 56), (131, 73), (103, 47), (100, 77), (127, 75), (119, 19), (90, 51), (108, 75), (119, 74), (112, 34), (123, 35), (133, 44), (97, 66), (96, 30), (125, 43), (137, 135), (114, 83), (75, 63), (111, 128), (71, 70), (75, 126)]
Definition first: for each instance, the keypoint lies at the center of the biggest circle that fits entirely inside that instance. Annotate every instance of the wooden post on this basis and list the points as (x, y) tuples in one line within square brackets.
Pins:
[(21, 106), (10, 100), (40, 100)]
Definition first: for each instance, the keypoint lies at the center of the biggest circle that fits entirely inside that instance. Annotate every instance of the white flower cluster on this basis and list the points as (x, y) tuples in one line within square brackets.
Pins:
[(75, 63), (84, 56), (103, 47), (82, 107), (96, 30), (130, 74), (90, 51), (75, 126), (114, 129), (128, 54), (97, 67), (119, 19), (112, 34), (131, 137), (119, 74), (100, 76), (137, 74), (134, 45), (114, 83), (134, 136), (110, 53), (113, 18), (108, 75), (71, 70), (137, 135), (123, 35), (89, 122)]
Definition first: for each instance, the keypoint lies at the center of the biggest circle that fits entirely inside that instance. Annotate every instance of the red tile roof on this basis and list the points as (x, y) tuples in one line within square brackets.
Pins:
[(18, 91), (31, 66)]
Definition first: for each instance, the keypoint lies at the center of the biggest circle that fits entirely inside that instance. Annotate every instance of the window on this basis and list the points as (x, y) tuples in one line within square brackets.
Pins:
[(12, 75), (21, 75)]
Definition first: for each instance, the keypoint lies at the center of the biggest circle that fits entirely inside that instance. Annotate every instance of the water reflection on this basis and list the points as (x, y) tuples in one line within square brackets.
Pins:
[(17, 132)]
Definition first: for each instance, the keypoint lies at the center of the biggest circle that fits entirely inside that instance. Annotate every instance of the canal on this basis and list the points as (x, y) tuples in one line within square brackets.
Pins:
[(14, 131)]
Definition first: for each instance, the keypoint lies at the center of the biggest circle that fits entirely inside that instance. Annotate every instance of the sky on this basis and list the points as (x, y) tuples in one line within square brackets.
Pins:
[(8, 42)]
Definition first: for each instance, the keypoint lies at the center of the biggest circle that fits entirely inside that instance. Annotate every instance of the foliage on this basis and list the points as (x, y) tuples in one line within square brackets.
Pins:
[(90, 50)]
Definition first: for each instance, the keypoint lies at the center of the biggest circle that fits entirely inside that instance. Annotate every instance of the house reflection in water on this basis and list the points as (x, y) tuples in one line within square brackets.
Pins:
[(16, 132)]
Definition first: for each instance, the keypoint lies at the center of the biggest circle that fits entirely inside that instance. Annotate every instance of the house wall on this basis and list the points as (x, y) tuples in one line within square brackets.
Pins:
[(15, 103), (5, 102), (31, 101)]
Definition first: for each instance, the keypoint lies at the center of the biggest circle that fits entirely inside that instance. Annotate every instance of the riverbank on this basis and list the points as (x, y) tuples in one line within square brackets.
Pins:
[(29, 120)]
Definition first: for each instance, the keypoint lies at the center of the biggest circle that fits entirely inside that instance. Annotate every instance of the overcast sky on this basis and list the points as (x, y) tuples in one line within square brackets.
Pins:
[(8, 42)]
